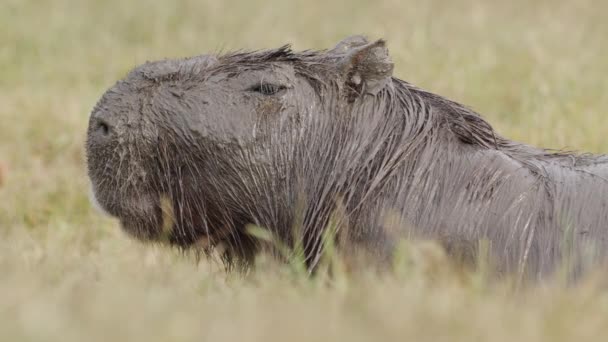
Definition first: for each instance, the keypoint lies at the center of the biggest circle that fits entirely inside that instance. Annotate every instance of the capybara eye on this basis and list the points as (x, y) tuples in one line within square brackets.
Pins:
[(267, 88)]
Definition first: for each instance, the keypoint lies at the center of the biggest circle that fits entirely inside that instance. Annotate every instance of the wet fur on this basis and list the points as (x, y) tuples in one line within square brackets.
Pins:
[(402, 163)]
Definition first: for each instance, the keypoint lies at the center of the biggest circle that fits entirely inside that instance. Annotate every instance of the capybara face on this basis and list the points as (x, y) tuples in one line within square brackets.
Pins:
[(167, 143), (193, 150)]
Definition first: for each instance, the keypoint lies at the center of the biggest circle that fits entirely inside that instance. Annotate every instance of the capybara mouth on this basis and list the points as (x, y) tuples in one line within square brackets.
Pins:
[(154, 218), (140, 215)]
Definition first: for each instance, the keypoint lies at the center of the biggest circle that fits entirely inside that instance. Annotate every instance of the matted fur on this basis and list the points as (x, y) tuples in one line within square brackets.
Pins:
[(395, 163)]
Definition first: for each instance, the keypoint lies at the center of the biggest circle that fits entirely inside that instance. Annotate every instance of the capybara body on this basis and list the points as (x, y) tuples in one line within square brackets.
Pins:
[(198, 149)]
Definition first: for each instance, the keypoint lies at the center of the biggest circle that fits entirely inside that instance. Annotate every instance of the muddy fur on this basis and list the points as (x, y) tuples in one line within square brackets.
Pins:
[(197, 149)]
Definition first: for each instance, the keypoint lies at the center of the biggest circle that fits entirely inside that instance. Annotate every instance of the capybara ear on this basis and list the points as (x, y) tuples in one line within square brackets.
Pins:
[(347, 44), (366, 67)]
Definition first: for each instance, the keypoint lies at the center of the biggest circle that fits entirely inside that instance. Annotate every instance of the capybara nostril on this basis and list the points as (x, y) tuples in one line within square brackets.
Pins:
[(102, 127)]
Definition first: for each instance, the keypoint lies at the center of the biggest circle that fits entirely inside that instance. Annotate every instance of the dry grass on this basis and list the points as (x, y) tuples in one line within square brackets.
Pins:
[(536, 69)]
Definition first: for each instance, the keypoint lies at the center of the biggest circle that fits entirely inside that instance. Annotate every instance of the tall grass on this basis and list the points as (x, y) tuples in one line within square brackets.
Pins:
[(536, 69)]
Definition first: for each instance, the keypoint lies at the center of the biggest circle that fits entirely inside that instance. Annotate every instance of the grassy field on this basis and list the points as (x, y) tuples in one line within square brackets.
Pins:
[(536, 69)]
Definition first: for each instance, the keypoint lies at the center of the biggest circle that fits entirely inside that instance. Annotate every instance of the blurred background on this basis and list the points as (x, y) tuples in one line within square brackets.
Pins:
[(535, 69)]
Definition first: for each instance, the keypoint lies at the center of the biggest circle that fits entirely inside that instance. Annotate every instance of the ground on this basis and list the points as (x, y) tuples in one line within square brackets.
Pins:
[(536, 69)]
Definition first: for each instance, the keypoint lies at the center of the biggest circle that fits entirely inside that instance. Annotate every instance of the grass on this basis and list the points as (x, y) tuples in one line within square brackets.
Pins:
[(535, 69)]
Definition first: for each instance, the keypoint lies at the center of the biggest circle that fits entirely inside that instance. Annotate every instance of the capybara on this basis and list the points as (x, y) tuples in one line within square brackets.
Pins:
[(199, 149)]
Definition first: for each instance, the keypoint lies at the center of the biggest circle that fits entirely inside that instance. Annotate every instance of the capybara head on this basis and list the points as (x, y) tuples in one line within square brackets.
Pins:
[(197, 148)]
